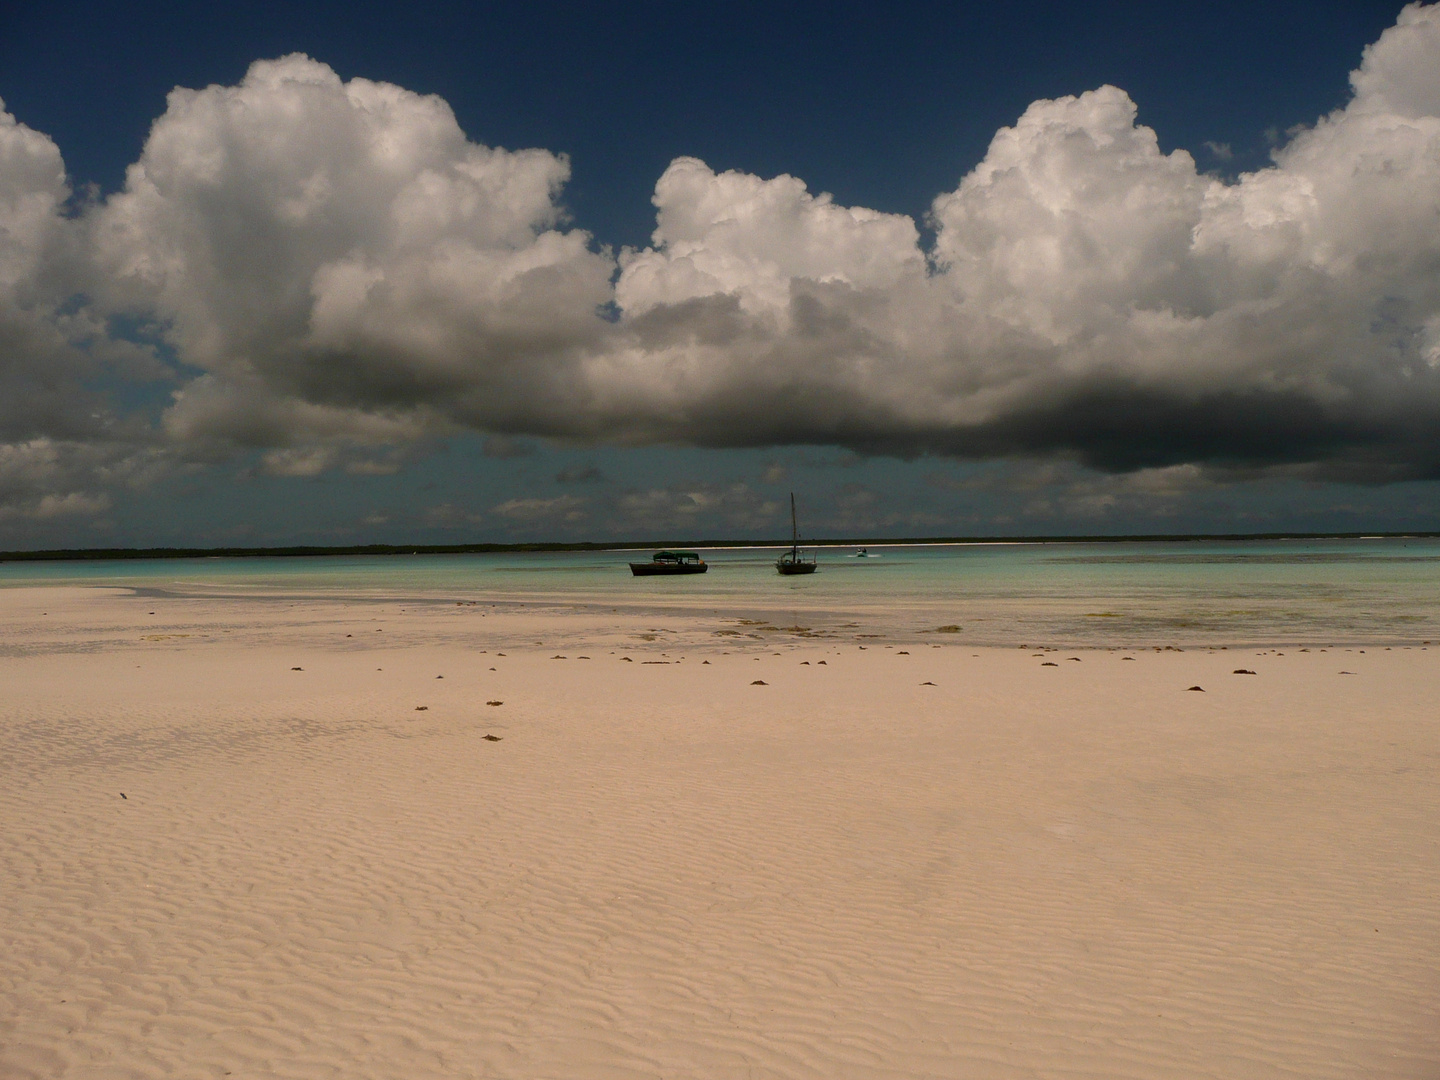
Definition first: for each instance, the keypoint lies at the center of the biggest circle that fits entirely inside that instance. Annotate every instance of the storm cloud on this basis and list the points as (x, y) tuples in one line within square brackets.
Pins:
[(334, 270)]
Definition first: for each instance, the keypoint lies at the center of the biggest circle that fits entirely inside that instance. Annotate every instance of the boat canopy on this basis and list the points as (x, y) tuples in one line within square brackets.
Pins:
[(678, 555)]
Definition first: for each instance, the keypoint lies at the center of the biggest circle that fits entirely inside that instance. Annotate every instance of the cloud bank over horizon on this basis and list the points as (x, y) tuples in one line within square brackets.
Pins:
[(332, 275)]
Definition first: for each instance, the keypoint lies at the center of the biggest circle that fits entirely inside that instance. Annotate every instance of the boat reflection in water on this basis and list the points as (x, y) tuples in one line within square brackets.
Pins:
[(664, 563)]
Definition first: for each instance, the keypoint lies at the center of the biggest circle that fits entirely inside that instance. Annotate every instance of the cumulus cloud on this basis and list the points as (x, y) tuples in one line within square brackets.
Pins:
[(1154, 492), (40, 365), (350, 275), (1087, 296), (736, 234), (74, 503), (343, 264), (62, 446), (449, 516), (500, 446), (580, 474), (44, 478), (569, 508), (680, 508)]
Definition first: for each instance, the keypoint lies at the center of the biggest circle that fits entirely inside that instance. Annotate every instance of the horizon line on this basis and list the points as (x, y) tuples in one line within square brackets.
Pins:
[(317, 550)]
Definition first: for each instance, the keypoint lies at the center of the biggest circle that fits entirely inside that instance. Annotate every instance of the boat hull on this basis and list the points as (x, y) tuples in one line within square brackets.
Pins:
[(645, 569), (795, 568)]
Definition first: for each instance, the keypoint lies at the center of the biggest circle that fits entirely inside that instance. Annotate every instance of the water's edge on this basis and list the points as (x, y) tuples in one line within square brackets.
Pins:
[(1347, 591)]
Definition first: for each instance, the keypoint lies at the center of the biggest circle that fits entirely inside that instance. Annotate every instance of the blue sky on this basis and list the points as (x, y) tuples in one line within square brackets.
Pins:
[(1099, 268)]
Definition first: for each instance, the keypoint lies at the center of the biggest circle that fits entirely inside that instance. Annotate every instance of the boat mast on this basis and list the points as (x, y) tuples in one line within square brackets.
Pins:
[(794, 530)]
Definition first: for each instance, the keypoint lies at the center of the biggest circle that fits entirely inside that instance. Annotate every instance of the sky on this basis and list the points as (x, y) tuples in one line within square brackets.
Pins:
[(352, 273)]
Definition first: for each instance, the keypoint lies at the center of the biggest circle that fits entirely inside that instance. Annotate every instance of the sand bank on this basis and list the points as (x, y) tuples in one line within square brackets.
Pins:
[(700, 848)]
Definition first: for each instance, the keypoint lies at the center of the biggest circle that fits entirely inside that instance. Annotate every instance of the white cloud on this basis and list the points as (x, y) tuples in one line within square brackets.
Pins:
[(1073, 217), (44, 478), (734, 233), (302, 461), (568, 508), (340, 260), (47, 507), (72, 503), (580, 474), (40, 361), (61, 445), (449, 516), (1397, 75), (734, 505)]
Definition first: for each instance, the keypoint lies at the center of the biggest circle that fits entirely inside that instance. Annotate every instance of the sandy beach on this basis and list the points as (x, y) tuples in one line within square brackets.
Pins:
[(319, 838)]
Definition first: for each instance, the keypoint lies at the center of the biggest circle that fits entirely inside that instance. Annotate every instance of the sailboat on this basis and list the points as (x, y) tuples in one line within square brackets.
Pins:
[(792, 562)]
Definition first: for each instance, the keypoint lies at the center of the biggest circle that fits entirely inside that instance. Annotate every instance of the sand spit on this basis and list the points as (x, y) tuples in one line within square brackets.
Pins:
[(236, 842)]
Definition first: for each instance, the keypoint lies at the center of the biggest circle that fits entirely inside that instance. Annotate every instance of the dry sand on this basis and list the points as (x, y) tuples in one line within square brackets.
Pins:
[(664, 870)]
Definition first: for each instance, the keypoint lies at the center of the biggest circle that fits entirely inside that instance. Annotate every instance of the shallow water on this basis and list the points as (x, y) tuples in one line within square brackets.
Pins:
[(1381, 591)]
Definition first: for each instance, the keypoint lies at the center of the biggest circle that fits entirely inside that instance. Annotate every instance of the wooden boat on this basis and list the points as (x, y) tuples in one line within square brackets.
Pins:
[(670, 562), (792, 562)]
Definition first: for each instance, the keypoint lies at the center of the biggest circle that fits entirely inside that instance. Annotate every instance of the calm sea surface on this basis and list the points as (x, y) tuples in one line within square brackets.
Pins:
[(1194, 592)]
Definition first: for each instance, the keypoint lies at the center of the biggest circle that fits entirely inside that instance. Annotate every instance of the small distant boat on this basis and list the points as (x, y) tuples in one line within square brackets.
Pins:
[(792, 562), (670, 562), (863, 553)]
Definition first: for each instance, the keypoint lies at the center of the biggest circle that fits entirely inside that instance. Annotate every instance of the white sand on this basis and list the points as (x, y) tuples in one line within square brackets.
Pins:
[(662, 870)]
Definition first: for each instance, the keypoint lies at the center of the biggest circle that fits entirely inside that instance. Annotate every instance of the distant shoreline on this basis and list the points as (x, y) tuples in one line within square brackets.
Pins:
[(306, 551)]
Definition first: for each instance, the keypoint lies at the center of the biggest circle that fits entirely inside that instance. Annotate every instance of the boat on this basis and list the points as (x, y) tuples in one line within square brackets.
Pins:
[(670, 562), (792, 562)]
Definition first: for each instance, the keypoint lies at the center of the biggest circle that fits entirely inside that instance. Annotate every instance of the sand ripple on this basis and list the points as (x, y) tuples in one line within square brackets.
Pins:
[(662, 872)]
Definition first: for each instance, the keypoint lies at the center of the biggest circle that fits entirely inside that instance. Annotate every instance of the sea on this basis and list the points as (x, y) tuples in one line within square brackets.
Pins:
[(1126, 594)]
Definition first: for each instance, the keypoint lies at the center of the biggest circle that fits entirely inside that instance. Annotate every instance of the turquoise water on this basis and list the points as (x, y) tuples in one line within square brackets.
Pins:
[(1194, 592)]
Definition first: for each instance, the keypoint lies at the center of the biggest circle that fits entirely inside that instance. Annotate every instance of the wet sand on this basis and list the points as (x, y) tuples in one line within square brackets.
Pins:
[(322, 839)]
